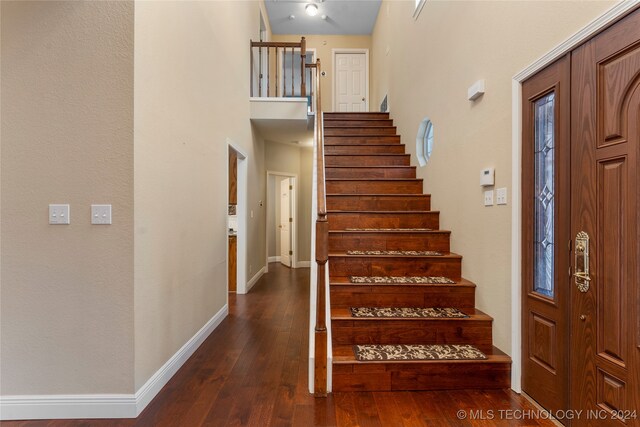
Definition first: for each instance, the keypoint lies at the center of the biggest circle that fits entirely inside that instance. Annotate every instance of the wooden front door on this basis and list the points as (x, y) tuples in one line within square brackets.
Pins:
[(581, 255), (546, 210), (605, 138)]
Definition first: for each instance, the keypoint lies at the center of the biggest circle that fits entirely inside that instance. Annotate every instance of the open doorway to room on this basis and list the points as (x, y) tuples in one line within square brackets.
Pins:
[(282, 218), (237, 219)]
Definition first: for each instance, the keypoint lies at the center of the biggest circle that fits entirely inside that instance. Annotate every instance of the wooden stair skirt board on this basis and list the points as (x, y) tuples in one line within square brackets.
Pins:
[(378, 202), (384, 242)]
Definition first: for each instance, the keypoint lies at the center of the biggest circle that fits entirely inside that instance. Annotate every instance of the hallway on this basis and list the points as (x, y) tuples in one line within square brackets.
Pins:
[(252, 370)]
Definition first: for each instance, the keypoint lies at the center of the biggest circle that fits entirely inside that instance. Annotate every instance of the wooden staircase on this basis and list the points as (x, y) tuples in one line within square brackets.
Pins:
[(375, 203)]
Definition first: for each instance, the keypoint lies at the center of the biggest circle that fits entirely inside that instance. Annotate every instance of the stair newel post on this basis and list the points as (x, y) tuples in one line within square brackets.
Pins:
[(320, 377), (303, 59)]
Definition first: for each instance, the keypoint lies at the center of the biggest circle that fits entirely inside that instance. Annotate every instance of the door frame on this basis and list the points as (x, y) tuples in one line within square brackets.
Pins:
[(333, 73), (609, 17), (241, 215), (294, 214)]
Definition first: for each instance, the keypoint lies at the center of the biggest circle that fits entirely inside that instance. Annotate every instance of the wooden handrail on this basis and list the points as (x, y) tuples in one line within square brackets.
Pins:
[(322, 250)]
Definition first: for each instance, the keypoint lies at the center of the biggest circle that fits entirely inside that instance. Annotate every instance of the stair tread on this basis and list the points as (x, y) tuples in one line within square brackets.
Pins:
[(371, 167), (448, 255), (392, 231), (367, 154), (374, 179), (344, 281), (343, 354), (383, 212), (343, 313), (377, 194)]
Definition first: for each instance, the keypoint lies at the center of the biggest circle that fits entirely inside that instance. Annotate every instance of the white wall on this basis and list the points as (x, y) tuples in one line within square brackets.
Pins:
[(426, 68)]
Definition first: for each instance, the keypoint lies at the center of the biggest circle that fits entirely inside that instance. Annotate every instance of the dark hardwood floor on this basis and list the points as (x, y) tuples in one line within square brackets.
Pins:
[(252, 370)]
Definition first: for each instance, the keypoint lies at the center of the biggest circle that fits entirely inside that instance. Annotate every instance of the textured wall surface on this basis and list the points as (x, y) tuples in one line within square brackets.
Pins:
[(67, 137), (426, 66)]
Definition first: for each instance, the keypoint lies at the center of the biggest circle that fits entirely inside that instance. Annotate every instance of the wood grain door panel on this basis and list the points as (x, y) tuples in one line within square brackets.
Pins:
[(605, 112), (544, 318)]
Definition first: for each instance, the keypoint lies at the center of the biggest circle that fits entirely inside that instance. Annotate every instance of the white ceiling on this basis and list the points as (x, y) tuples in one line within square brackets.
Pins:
[(343, 16)]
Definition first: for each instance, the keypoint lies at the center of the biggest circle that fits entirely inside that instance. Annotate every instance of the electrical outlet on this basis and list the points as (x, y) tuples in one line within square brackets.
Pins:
[(501, 196), (488, 198), (59, 214)]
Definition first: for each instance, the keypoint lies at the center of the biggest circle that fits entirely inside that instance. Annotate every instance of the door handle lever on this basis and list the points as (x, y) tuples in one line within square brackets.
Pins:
[(581, 274)]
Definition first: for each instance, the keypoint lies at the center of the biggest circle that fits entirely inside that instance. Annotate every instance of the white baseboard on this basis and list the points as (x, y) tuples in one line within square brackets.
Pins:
[(274, 259), (255, 278), (303, 264), (92, 406)]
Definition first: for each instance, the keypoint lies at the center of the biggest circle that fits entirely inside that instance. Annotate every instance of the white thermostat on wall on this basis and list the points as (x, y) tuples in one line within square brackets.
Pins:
[(487, 177)]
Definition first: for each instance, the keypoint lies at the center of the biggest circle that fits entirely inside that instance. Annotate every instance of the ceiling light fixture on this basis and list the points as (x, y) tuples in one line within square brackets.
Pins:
[(311, 9), (324, 17)]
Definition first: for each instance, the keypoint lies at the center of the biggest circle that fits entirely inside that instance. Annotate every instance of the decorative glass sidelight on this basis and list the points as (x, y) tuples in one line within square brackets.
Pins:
[(544, 139)]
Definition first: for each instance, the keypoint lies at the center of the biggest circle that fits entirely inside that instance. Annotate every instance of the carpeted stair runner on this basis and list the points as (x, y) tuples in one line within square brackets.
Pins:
[(401, 253), (372, 352), (408, 312), (401, 280)]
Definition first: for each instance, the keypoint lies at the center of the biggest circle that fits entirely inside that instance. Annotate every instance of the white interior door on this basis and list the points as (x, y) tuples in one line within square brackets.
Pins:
[(351, 82), (285, 222)]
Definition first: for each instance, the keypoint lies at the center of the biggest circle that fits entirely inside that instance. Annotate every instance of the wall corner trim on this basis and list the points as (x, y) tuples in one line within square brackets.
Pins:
[(86, 406)]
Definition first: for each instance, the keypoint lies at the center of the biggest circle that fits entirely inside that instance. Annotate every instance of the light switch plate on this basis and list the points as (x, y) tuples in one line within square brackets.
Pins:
[(59, 214), (101, 214), (488, 198), (501, 196)]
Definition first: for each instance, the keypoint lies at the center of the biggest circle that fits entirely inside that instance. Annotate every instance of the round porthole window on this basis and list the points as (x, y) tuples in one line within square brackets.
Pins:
[(424, 141)]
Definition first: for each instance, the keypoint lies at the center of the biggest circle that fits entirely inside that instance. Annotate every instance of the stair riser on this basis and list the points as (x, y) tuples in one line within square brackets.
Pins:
[(373, 203), (374, 172), (474, 332), (345, 296), (344, 220), (356, 122), (375, 187), (363, 115), (364, 149), (373, 241), (345, 266), (361, 140), (365, 160), (375, 376), (386, 130)]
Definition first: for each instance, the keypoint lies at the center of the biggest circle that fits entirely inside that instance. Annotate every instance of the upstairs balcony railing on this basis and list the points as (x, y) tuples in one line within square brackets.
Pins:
[(279, 70)]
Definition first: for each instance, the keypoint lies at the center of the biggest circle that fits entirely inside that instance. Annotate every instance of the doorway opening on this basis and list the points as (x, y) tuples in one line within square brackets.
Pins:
[(236, 224), (282, 219)]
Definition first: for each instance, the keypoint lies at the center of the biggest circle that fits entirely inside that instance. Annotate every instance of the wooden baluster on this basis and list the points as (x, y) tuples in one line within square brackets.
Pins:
[(303, 60), (260, 72), (251, 68), (268, 69), (277, 66), (292, 54)]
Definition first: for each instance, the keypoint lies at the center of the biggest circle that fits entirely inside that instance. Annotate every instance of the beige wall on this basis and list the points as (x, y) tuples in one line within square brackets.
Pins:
[(188, 102), (67, 137), (295, 160), (430, 64), (323, 44)]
